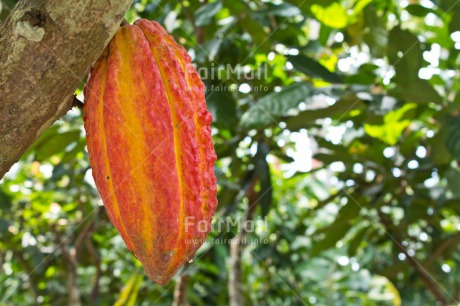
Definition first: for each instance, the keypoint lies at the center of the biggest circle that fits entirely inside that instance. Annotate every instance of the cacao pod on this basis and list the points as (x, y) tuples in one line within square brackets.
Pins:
[(150, 146)]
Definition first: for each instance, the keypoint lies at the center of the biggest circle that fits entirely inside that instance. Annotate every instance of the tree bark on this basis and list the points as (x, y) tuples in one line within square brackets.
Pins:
[(47, 49)]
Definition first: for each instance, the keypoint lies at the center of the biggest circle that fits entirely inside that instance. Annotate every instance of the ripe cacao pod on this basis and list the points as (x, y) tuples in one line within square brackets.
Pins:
[(150, 146)]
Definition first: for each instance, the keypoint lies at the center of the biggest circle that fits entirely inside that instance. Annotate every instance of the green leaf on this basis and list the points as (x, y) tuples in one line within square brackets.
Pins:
[(4, 224), (451, 7), (257, 32), (365, 75), (4, 11), (325, 158), (312, 68), (211, 47), (330, 240), (70, 155), (205, 14), (9, 3), (418, 10), (393, 270), (406, 56), (404, 50), (222, 106), (354, 244), (263, 173), (5, 200), (334, 16), (452, 136), (54, 144), (438, 150), (360, 5), (338, 229), (396, 297), (274, 105), (339, 109), (377, 36), (282, 10), (415, 90), (393, 126), (128, 294), (305, 6), (324, 33), (348, 212)]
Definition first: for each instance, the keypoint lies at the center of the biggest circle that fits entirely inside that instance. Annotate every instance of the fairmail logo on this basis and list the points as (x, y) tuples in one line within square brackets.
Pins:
[(226, 225), (235, 73), (221, 226)]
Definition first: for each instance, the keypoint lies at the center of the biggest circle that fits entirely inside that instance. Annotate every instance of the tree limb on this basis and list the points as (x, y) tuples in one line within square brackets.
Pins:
[(180, 291), (70, 258), (427, 279), (237, 245), (97, 262), (450, 242), (47, 49)]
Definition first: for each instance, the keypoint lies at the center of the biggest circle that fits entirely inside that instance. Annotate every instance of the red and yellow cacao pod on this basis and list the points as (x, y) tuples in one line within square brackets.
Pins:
[(150, 147)]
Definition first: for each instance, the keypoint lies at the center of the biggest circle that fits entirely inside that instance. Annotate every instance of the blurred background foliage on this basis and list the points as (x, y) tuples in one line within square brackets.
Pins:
[(347, 142)]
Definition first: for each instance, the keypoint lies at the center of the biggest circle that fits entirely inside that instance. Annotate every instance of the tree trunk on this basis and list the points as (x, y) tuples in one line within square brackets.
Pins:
[(47, 49)]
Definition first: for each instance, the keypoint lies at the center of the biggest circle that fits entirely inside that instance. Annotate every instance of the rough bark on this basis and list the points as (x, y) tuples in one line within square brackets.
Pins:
[(47, 49)]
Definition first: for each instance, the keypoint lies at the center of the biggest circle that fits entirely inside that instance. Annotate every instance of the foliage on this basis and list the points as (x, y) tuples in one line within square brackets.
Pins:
[(349, 131)]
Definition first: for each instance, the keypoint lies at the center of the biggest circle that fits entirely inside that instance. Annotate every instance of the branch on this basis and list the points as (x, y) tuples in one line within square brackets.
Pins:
[(97, 263), (47, 49), (84, 234), (237, 244), (430, 284), (77, 103), (446, 244), (32, 281), (70, 257), (180, 291)]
